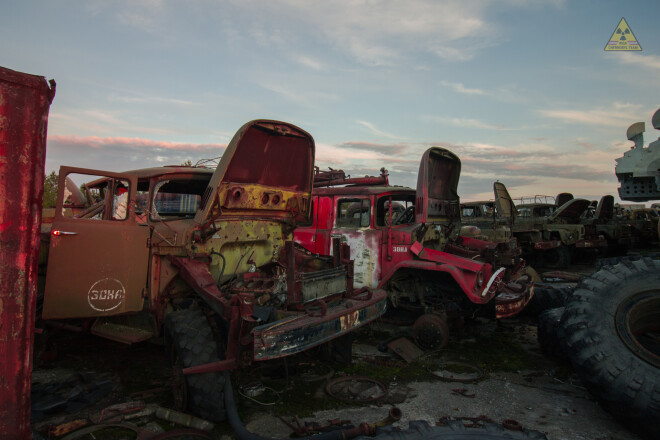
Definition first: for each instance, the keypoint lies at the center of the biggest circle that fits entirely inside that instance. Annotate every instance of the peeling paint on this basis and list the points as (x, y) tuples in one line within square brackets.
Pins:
[(24, 102)]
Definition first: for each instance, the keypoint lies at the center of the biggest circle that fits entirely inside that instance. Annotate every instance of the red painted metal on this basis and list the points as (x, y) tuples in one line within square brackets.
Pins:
[(24, 104), (406, 244), (338, 177)]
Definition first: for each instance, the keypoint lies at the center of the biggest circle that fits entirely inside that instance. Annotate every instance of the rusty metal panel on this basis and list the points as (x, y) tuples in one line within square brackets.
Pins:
[(300, 332), (24, 103)]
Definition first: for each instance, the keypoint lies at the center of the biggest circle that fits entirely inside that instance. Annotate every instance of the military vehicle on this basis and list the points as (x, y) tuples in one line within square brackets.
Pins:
[(205, 258), (406, 241), (559, 224)]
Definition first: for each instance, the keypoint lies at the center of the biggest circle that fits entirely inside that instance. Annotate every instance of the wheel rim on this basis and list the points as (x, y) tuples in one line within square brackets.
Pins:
[(638, 324), (431, 331)]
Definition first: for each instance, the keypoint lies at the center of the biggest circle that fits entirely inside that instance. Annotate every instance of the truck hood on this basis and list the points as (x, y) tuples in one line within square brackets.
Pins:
[(437, 183), (573, 209), (605, 208), (265, 172), (504, 203)]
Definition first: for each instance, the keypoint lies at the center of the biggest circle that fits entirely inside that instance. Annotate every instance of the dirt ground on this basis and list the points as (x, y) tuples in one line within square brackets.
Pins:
[(490, 370)]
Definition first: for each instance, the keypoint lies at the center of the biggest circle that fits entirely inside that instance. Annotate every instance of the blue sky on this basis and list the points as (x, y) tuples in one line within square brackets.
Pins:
[(521, 90)]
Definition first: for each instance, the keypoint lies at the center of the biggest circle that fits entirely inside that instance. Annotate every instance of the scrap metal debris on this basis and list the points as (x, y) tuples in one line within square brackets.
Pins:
[(406, 349), (450, 371), (69, 395), (356, 389)]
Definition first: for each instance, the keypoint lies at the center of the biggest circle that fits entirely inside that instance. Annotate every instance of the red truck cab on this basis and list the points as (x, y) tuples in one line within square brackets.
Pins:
[(405, 241)]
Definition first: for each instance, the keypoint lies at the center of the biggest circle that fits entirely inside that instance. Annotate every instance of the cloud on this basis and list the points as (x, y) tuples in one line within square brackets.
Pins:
[(382, 34), (636, 59), (470, 123), (309, 62), (619, 114), (379, 33), (458, 87), (298, 94), (123, 153), (507, 93), (372, 128), (391, 149), (102, 122), (111, 142), (148, 100)]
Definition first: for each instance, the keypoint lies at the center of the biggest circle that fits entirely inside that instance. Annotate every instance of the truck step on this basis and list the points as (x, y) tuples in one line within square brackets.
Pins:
[(127, 333)]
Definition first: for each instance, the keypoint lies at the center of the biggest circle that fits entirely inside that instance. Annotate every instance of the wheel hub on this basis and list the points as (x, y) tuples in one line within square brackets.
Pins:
[(637, 322)]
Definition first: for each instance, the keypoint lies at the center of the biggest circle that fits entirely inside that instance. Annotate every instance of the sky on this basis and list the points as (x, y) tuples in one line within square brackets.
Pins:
[(521, 90)]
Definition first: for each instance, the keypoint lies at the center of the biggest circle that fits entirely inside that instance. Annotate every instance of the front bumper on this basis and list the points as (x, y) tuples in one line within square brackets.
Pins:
[(547, 244), (515, 296), (301, 332)]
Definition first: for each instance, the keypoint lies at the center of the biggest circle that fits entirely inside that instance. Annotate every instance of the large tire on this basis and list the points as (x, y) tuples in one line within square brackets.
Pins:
[(192, 343), (453, 430), (611, 261), (550, 334), (611, 324), (548, 296)]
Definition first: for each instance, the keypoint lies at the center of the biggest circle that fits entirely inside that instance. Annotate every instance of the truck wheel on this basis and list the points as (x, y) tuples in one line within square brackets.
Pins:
[(192, 343), (454, 430), (550, 334), (612, 326), (557, 258), (431, 331)]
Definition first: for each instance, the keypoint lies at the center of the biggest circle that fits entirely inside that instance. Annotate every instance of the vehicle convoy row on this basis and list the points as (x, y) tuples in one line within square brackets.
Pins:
[(551, 233), (207, 259)]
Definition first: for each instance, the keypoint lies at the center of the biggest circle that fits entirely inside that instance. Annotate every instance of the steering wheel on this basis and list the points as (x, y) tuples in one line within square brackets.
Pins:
[(407, 216)]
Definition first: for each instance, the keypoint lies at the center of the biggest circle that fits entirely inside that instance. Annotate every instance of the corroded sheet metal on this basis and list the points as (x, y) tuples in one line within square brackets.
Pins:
[(509, 304), (437, 187), (24, 104), (300, 332)]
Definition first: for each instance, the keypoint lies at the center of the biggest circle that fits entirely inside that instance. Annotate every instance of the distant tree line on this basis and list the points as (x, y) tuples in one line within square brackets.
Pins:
[(50, 190)]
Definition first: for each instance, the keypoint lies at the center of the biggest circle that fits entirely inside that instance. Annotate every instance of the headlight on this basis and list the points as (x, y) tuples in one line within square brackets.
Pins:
[(480, 278)]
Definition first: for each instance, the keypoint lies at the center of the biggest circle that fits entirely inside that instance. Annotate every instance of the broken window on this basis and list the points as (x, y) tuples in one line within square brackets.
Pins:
[(96, 197), (176, 198), (403, 206), (353, 213)]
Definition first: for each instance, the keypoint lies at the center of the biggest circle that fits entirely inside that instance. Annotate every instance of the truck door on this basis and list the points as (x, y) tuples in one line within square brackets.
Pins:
[(355, 225), (315, 236), (98, 253)]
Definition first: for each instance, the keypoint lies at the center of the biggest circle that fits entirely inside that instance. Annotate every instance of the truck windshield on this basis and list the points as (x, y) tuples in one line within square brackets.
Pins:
[(403, 206), (176, 198)]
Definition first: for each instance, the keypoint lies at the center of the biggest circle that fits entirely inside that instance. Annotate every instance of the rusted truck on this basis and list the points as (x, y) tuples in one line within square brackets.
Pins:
[(548, 232), (560, 223), (601, 223), (644, 226), (497, 221), (406, 241), (204, 257)]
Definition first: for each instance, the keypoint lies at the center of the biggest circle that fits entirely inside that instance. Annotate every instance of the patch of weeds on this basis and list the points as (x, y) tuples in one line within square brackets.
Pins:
[(496, 351)]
